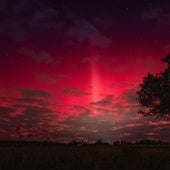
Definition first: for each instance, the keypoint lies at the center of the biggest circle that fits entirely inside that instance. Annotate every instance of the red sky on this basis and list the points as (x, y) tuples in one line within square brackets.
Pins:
[(71, 72)]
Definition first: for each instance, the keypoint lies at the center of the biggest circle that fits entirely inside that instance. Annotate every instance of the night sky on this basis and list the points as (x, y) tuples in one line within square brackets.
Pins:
[(71, 69)]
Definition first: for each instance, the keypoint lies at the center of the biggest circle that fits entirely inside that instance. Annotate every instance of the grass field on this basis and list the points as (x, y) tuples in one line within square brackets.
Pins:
[(120, 157)]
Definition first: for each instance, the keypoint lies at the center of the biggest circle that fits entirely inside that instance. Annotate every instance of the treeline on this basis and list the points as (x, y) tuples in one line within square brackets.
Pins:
[(123, 142), (142, 142), (82, 143)]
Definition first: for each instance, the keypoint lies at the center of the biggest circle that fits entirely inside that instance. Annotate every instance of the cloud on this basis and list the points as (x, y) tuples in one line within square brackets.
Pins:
[(10, 29), (84, 124), (6, 110), (45, 18), (74, 91), (35, 110), (152, 13), (27, 52), (46, 78), (130, 95), (23, 101), (37, 17), (104, 102), (29, 115), (45, 57), (41, 57), (84, 31), (86, 60), (79, 110), (51, 79), (30, 93), (43, 122), (30, 111), (158, 13)]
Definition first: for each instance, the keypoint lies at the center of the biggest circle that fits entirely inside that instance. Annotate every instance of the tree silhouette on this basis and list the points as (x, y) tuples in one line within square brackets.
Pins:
[(154, 93), (19, 133)]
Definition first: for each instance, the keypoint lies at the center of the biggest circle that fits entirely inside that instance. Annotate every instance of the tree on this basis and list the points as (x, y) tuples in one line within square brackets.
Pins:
[(19, 133), (154, 93)]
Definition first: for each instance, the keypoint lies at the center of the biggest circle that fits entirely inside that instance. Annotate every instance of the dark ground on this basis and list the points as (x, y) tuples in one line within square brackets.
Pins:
[(90, 157)]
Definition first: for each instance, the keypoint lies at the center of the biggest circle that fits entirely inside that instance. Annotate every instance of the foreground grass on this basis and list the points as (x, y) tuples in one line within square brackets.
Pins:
[(121, 157)]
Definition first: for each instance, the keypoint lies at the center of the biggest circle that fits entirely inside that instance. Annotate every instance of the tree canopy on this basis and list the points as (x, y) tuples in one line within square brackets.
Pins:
[(154, 93)]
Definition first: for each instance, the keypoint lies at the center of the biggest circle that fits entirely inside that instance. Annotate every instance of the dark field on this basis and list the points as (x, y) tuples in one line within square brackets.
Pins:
[(120, 157)]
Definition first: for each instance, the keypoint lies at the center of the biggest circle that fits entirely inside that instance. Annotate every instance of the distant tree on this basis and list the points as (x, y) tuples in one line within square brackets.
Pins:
[(100, 142), (116, 143), (75, 143), (72, 143), (154, 93), (19, 133)]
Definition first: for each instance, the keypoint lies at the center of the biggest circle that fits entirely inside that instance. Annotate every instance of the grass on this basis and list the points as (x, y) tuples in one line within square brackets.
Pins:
[(120, 157)]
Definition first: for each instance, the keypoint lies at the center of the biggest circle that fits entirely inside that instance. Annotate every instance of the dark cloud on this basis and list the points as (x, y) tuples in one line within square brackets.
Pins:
[(6, 110), (130, 95), (30, 93), (22, 20), (44, 123), (34, 110), (79, 108), (85, 124), (46, 78), (158, 14), (86, 60), (27, 52), (74, 91), (106, 128), (44, 57), (46, 19), (84, 31), (41, 57), (35, 120), (104, 102), (23, 101), (30, 101)]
